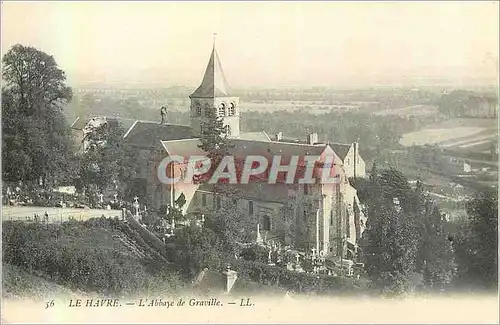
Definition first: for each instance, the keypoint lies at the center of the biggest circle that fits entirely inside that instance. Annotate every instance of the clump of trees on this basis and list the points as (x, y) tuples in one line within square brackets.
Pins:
[(476, 243), (463, 103), (106, 161), (409, 244), (37, 144), (405, 246), (36, 140)]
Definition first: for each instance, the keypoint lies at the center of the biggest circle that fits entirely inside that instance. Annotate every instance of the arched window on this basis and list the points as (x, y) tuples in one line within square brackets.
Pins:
[(228, 130), (250, 207), (218, 202), (207, 109), (231, 109), (198, 109), (204, 200), (222, 109), (266, 223)]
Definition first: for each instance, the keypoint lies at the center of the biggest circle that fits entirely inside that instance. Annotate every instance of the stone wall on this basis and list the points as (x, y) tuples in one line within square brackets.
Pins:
[(147, 235)]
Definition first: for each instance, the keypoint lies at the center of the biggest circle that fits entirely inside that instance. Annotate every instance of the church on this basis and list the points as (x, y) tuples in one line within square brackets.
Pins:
[(326, 219)]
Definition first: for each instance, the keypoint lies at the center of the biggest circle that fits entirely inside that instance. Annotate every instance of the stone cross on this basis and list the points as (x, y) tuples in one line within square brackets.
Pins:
[(101, 197)]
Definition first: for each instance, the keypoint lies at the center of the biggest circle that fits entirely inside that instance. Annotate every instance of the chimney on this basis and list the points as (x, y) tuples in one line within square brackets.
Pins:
[(312, 138), (279, 136), (230, 278)]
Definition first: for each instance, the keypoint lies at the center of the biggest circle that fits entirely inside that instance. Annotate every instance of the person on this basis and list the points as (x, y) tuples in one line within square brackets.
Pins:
[(163, 112)]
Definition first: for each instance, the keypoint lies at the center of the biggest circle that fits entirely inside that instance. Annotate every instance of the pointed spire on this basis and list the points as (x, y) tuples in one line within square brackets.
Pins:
[(214, 82)]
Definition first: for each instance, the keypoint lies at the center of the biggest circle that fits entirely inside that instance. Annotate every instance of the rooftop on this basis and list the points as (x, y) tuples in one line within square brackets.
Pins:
[(214, 82), (81, 122), (148, 134)]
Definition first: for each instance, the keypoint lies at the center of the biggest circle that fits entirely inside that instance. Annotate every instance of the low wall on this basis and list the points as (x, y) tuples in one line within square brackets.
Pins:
[(56, 215), (148, 236)]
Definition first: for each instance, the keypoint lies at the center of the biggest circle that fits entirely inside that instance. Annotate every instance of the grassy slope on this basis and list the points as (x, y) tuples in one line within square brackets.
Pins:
[(18, 283), (104, 244)]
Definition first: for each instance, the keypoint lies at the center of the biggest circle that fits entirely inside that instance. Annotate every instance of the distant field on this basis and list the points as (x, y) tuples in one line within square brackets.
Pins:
[(416, 110), (456, 133), (313, 107)]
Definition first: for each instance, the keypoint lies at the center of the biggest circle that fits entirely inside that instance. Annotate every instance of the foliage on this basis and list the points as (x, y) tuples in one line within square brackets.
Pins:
[(82, 257), (106, 161), (463, 103), (291, 280), (197, 248), (374, 133), (476, 243), (217, 145), (255, 253), (35, 135), (405, 235)]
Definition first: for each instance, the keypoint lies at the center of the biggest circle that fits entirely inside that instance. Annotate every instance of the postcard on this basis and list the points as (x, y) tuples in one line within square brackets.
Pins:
[(249, 162)]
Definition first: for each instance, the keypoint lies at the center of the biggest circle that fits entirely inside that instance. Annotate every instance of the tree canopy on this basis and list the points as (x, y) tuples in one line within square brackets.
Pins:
[(106, 160), (476, 243), (405, 239), (36, 138)]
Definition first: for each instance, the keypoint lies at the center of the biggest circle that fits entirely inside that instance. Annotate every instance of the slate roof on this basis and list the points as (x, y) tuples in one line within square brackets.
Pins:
[(258, 191), (184, 147), (258, 136), (341, 149), (271, 148), (147, 134), (81, 122), (243, 148), (214, 82)]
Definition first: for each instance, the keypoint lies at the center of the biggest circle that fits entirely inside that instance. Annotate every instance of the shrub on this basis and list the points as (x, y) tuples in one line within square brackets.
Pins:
[(67, 256)]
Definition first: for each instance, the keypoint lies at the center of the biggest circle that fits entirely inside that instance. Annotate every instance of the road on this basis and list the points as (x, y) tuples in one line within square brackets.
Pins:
[(56, 215), (444, 197)]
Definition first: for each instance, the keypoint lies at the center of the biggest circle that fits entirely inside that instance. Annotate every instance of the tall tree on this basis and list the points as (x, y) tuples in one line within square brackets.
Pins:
[(390, 246), (36, 138), (217, 145), (477, 244), (106, 161), (435, 258)]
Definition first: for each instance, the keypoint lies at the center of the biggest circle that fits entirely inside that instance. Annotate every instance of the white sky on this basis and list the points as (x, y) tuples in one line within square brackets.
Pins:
[(260, 43)]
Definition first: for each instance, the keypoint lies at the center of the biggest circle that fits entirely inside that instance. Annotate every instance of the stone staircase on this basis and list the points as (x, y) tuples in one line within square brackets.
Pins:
[(132, 246)]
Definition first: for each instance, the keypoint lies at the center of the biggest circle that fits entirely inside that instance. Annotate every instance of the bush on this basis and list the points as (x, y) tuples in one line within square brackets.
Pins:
[(66, 256), (290, 280), (255, 253)]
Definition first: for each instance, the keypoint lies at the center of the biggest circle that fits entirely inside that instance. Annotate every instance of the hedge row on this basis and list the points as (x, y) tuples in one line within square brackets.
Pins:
[(80, 261)]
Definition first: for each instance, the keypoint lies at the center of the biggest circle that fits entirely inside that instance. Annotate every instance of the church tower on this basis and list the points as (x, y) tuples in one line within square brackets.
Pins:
[(213, 95)]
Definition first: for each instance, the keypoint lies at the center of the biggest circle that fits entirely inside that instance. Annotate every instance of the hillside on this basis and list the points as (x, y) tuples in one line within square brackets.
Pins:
[(18, 284), (97, 256)]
